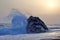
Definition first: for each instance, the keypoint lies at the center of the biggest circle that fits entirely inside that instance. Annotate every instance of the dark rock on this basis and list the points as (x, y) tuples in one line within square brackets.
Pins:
[(36, 25)]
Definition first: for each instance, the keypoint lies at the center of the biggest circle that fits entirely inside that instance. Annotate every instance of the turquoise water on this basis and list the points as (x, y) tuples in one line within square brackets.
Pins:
[(14, 34), (39, 36)]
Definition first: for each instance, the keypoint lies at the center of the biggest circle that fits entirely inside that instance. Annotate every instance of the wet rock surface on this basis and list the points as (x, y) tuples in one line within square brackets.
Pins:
[(36, 25)]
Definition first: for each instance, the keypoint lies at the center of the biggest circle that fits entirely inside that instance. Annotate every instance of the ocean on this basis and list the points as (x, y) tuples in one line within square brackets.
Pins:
[(53, 33)]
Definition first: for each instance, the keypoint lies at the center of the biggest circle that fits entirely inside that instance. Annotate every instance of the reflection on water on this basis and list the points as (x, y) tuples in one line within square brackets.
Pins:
[(52, 36), (55, 33)]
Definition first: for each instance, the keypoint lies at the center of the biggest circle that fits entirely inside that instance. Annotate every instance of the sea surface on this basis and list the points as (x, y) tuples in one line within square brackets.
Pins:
[(53, 33)]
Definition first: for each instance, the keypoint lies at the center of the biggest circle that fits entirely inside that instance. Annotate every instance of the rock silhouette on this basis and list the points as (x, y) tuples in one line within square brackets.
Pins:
[(36, 25), (20, 24)]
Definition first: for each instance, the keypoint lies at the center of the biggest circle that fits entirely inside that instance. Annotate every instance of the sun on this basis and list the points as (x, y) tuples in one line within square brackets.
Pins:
[(52, 4)]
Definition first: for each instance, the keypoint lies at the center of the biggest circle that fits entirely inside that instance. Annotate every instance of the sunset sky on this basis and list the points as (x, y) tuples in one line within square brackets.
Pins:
[(47, 10)]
